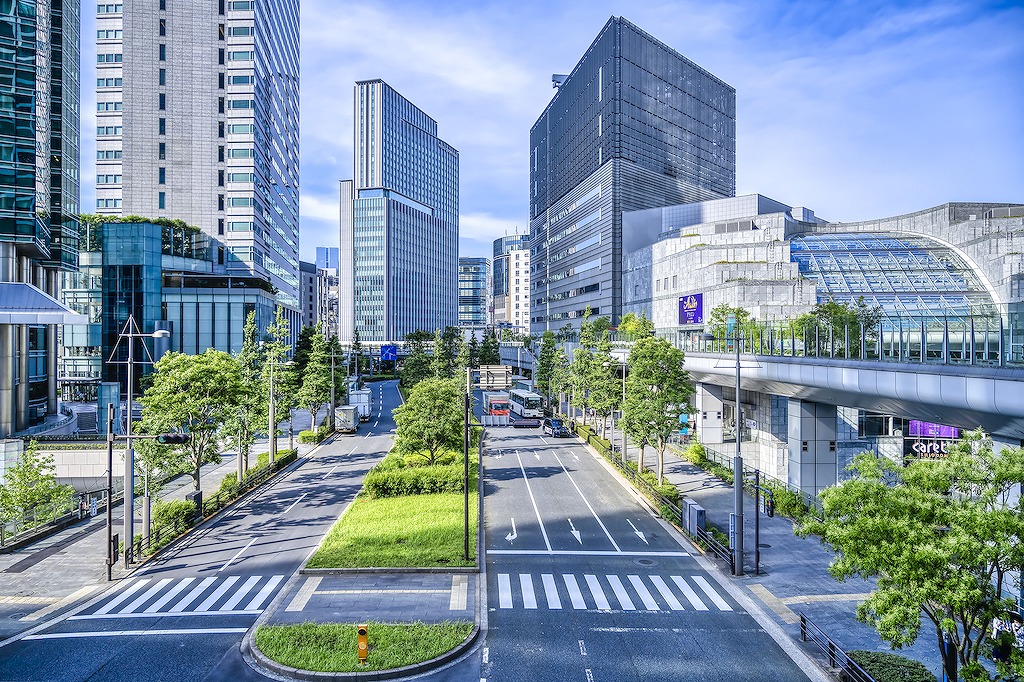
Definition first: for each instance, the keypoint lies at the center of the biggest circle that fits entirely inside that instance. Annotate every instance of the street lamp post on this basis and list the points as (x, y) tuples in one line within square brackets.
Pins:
[(272, 426), (131, 332), (737, 468)]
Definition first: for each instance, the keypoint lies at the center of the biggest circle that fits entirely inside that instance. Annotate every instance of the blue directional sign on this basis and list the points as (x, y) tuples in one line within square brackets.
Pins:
[(389, 352)]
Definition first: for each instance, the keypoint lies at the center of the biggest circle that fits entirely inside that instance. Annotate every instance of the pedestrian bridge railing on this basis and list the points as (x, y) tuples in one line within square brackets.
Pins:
[(837, 658)]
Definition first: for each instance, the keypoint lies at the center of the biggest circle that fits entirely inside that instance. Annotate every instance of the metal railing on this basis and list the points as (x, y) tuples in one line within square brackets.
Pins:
[(979, 340), (45, 519), (724, 459), (837, 658)]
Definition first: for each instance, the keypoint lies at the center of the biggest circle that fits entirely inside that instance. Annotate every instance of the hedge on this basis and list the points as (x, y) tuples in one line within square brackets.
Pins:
[(395, 482), (889, 667)]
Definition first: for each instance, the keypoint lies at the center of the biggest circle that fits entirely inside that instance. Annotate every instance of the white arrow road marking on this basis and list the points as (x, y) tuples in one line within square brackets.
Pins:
[(575, 532), (513, 535), (638, 533), (575, 457), (537, 456), (587, 502)]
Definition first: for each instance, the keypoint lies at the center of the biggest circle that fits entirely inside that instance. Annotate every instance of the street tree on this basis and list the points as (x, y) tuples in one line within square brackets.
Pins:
[(462, 358), (561, 376), (942, 538), (446, 350), (30, 483), (545, 364), (489, 352), (658, 391), (315, 391), (334, 354), (303, 346), (719, 324), (430, 422), (583, 365), (837, 320), (474, 351), (250, 417), (634, 327), (287, 380), (417, 364), (605, 386), (196, 394)]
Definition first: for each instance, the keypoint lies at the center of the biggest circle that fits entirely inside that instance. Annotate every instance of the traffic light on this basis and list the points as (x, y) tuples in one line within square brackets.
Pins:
[(173, 438), (363, 646)]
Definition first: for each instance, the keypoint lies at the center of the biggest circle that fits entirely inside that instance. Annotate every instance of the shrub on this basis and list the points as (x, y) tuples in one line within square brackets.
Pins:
[(696, 454), (262, 460), (173, 513), (444, 458), (392, 461), (228, 486), (415, 481), (787, 502), (888, 667), (308, 436)]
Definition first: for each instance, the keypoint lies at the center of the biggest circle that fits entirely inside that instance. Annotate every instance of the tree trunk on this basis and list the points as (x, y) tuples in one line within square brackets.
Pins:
[(640, 457), (661, 463)]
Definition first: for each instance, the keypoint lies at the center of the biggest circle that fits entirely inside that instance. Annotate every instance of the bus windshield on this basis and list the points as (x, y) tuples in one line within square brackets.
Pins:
[(532, 403)]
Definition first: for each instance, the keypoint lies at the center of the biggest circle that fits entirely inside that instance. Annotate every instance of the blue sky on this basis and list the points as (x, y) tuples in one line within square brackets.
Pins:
[(857, 110)]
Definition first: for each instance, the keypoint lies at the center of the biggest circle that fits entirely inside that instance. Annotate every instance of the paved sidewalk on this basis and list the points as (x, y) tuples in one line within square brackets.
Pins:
[(794, 574)]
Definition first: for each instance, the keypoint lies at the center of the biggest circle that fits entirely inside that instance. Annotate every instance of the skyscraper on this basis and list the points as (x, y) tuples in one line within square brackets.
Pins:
[(634, 125), (38, 200), (511, 288), (197, 119), (399, 222), (327, 258), (474, 293)]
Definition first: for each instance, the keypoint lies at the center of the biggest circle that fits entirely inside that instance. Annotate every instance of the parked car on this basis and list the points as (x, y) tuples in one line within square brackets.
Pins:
[(556, 428)]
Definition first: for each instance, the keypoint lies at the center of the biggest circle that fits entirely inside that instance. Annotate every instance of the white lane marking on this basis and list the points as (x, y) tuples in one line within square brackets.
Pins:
[(376, 422), (550, 591), (597, 593), (529, 598), (583, 648), (544, 441), (513, 534), (620, 593), (690, 594), (504, 591), (638, 533), (171, 594), (123, 596), (575, 594), (650, 603), (543, 532), (584, 552), (710, 591), (261, 596), (486, 655), (590, 675), (587, 502), (192, 596), (240, 594), (218, 593), (146, 596), (118, 616), (304, 594), (666, 593), (576, 533), (300, 498), (333, 469), (368, 435), (138, 633), (232, 559)]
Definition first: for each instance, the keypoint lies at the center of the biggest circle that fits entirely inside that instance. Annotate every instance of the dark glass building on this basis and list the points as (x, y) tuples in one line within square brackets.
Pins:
[(474, 292), (39, 193), (635, 125)]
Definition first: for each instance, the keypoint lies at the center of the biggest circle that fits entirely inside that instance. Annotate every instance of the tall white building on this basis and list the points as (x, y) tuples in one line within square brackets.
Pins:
[(511, 289), (198, 120)]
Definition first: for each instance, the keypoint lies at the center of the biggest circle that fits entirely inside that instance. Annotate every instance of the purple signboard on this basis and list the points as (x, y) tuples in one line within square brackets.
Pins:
[(691, 309), (930, 430)]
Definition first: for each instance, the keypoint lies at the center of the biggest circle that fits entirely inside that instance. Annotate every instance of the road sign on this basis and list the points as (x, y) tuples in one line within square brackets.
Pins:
[(389, 352), (495, 376)]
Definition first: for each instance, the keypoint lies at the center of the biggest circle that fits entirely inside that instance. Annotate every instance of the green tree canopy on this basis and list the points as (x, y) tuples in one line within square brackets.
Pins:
[(545, 364), (941, 537), (635, 327), (489, 352), (417, 364), (605, 385), (315, 391), (431, 420), (250, 417), (196, 394), (658, 390), (474, 351), (29, 483)]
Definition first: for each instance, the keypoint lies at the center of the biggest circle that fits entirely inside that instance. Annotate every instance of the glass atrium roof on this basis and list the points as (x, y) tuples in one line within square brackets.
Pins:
[(908, 276)]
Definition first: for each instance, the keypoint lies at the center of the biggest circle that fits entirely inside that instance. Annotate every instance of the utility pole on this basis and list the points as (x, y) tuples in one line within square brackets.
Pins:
[(737, 468)]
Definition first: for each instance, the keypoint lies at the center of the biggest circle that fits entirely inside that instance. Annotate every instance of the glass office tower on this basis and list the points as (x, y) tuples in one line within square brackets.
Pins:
[(635, 125), (399, 222), (38, 200), (511, 289), (198, 120), (474, 293)]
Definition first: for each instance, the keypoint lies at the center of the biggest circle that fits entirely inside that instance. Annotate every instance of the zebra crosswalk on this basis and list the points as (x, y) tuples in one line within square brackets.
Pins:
[(213, 595), (609, 592)]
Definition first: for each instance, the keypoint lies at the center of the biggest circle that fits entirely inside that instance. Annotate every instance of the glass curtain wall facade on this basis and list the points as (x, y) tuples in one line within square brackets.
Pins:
[(402, 230), (635, 125), (474, 298), (510, 293), (39, 194), (197, 119)]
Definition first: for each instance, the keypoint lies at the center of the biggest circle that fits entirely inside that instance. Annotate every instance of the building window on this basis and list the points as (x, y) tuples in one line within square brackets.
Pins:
[(162, 176), (220, 128), (220, 178), (162, 151), (220, 80), (220, 56), (109, 58), (163, 52), (220, 226), (163, 27), (163, 5), (163, 101), (220, 32), (161, 200), (220, 202), (220, 105), (220, 153), (162, 126), (162, 77)]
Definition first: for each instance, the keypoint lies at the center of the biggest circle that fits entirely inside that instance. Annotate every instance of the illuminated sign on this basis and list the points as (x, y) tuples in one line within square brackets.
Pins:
[(691, 309)]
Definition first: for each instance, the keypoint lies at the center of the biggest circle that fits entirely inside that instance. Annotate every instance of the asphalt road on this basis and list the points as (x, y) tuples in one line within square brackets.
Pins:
[(585, 584), (184, 615)]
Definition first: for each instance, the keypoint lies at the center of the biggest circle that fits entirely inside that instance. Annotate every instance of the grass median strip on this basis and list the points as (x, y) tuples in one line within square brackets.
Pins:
[(416, 531), (332, 647)]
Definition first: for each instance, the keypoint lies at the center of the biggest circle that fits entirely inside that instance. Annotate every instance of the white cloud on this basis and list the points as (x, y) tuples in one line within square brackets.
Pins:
[(318, 207), (486, 228)]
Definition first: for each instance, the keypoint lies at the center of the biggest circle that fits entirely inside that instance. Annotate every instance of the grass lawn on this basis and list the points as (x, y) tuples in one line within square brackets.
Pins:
[(414, 531), (332, 647)]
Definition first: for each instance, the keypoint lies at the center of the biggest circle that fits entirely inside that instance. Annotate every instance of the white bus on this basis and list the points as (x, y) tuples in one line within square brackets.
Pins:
[(525, 403)]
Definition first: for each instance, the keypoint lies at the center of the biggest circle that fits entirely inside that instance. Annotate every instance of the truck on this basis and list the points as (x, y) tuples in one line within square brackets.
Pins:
[(346, 419), (495, 403), (361, 400)]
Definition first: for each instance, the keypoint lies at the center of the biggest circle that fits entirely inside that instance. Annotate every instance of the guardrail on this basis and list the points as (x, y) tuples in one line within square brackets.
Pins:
[(837, 658), (725, 459), (49, 518)]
